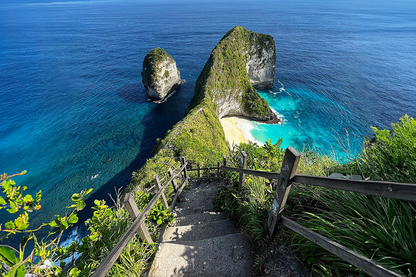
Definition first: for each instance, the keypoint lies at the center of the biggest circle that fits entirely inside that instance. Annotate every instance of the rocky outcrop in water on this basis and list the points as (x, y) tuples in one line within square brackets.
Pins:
[(160, 75), (241, 61)]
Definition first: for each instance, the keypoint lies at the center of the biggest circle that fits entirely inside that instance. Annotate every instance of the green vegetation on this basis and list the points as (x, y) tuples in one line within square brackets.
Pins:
[(105, 228), (224, 77), (381, 229), (16, 263), (390, 155), (150, 62), (199, 137)]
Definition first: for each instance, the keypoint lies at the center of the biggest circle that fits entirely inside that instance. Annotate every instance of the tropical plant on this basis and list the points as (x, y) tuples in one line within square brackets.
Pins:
[(41, 259)]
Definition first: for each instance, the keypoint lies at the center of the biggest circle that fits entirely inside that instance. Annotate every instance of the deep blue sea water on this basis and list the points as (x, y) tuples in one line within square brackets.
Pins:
[(73, 105)]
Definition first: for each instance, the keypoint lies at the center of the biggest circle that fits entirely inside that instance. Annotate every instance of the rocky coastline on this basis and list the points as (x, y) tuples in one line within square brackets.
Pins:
[(160, 75)]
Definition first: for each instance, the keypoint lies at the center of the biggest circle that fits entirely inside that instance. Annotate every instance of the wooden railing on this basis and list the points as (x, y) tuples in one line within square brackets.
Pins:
[(288, 176), (140, 217)]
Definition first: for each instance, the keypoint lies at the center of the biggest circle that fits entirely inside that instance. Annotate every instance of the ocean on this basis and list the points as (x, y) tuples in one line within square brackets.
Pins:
[(74, 110)]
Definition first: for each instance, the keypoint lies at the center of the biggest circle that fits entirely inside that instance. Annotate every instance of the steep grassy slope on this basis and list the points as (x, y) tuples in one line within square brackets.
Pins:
[(224, 81), (222, 87)]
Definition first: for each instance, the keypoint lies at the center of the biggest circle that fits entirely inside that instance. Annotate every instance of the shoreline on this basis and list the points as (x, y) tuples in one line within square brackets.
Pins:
[(237, 129), (234, 133)]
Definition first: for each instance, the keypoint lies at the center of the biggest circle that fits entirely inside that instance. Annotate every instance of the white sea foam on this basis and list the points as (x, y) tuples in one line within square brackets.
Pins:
[(246, 126), (74, 236)]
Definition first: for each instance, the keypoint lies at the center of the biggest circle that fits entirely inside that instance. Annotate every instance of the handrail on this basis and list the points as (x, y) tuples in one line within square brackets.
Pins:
[(385, 189), (403, 191), (264, 174), (288, 176), (204, 168), (108, 262), (352, 257)]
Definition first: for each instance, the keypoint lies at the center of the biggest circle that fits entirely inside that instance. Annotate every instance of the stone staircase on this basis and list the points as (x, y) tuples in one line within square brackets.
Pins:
[(202, 242)]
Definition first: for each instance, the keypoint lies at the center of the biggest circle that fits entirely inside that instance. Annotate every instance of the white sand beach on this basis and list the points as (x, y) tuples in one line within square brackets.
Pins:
[(237, 130)]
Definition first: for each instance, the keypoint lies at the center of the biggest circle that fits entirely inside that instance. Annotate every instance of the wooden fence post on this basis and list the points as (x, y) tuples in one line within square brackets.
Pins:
[(173, 182), (243, 165), (158, 187), (199, 168), (218, 170), (288, 171), (131, 207), (185, 171)]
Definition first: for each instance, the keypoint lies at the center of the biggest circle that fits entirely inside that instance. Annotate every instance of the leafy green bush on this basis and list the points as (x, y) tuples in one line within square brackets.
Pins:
[(391, 155), (106, 227), (250, 205), (381, 229), (46, 250)]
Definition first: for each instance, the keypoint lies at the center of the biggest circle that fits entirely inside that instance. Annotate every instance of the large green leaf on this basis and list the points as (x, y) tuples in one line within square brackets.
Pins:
[(10, 225), (80, 205), (17, 272), (73, 218), (22, 222), (7, 255), (76, 197)]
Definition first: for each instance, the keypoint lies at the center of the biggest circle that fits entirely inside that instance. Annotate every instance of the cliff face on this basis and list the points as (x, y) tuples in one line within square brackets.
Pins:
[(260, 66), (224, 87), (241, 61), (160, 75)]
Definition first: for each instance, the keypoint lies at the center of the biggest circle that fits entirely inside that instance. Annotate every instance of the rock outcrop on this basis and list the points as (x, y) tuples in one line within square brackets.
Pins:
[(241, 61), (160, 75)]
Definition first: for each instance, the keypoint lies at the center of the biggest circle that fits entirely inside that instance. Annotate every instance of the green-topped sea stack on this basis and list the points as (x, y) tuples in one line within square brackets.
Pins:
[(160, 75), (225, 87), (241, 62)]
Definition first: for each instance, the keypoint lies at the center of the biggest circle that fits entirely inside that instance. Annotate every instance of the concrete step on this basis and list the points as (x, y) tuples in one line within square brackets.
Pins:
[(201, 231), (205, 206), (195, 208), (204, 192), (198, 196), (199, 218), (228, 255)]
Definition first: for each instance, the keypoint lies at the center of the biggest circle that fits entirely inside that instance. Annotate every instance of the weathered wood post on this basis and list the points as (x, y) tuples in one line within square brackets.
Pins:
[(185, 171), (163, 197), (199, 170), (218, 170), (173, 183), (243, 165), (288, 171), (131, 207), (173, 180)]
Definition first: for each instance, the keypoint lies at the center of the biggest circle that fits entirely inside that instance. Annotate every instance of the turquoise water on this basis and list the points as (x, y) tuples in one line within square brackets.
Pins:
[(303, 126), (73, 105)]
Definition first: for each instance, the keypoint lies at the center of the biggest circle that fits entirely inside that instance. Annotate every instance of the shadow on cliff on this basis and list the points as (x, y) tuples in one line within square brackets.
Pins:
[(156, 123)]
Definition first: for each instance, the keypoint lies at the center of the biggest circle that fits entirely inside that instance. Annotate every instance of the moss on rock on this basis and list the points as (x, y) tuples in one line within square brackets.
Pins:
[(225, 81), (199, 136), (160, 75)]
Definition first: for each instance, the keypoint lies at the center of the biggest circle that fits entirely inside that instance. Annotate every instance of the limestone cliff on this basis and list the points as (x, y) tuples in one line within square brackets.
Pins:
[(241, 61), (160, 75)]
